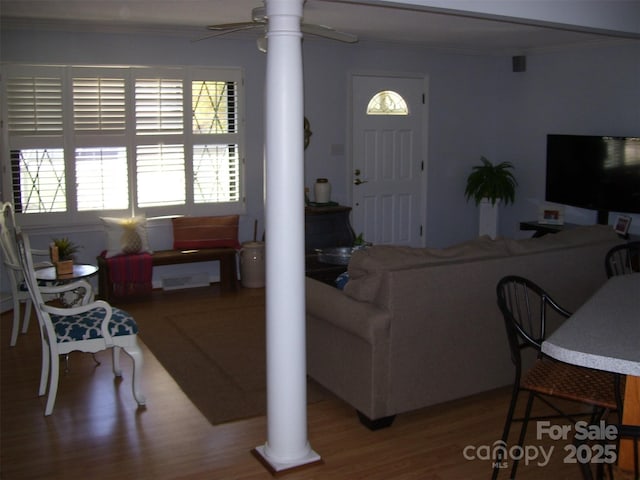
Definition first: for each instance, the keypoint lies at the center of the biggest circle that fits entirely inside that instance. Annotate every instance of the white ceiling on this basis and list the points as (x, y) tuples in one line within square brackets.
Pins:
[(372, 23)]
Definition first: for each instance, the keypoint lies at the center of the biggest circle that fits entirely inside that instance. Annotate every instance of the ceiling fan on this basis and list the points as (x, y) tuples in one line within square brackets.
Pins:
[(259, 20)]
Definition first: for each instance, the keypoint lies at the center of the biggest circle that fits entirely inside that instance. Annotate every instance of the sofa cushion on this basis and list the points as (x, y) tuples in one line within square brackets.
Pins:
[(387, 257), (582, 235), (367, 266)]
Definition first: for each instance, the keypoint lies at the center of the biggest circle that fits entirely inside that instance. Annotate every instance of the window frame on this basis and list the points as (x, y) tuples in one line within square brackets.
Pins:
[(69, 139)]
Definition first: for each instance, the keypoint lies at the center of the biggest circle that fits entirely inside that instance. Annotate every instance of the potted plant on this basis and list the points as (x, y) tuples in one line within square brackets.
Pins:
[(489, 184), (493, 182), (63, 254)]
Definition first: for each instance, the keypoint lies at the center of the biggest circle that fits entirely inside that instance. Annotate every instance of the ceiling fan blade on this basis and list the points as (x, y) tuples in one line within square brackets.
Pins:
[(220, 32), (232, 26), (328, 32)]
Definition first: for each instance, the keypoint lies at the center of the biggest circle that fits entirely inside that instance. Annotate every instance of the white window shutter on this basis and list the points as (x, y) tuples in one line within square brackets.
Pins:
[(160, 175), (159, 106), (102, 179), (34, 105), (99, 105)]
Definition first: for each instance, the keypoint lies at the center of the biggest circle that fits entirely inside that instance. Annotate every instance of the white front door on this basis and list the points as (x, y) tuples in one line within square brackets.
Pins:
[(388, 161)]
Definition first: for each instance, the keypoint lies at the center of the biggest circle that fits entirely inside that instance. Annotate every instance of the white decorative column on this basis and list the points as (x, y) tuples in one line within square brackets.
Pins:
[(287, 445)]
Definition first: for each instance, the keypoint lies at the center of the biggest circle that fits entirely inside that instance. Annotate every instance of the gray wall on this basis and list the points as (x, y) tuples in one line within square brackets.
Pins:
[(476, 106)]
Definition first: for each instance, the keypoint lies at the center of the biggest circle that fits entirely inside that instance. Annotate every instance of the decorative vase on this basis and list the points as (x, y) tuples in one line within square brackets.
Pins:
[(322, 190), (53, 253)]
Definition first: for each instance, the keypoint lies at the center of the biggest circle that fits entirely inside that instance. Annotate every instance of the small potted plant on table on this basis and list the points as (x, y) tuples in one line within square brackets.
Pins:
[(62, 255)]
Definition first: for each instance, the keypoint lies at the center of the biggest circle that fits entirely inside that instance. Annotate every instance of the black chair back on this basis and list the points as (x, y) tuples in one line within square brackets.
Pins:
[(623, 259), (525, 307)]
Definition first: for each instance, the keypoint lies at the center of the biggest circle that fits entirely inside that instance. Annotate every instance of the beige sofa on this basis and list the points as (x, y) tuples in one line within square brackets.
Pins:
[(416, 327)]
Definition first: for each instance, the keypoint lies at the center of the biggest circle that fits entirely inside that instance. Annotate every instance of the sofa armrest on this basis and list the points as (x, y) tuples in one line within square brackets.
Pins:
[(331, 305)]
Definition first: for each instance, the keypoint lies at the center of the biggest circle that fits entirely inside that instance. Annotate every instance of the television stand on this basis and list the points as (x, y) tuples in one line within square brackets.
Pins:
[(541, 229)]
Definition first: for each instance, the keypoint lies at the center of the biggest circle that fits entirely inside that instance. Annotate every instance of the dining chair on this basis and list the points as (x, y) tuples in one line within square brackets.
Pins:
[(527, 310), (623, 259), (19, 292), (92, 326)]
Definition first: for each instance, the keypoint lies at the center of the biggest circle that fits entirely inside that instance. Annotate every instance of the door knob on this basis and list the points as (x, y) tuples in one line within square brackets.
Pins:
[(357, 181)]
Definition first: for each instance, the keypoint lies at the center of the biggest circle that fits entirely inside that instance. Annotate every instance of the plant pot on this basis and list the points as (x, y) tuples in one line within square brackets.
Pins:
[(64, 267), (488, 218)]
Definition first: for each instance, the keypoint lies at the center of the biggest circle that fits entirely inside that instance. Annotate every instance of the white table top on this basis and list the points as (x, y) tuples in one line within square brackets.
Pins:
[(604, 333)]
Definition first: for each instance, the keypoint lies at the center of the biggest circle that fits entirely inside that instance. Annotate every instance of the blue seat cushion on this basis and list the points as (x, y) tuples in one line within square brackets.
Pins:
[(86, 326)]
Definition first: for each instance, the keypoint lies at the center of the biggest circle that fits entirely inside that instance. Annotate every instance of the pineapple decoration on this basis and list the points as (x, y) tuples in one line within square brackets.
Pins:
[(130, 239)]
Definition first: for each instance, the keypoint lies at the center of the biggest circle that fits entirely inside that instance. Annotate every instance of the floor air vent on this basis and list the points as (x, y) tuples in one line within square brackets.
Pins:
[(185, 281)]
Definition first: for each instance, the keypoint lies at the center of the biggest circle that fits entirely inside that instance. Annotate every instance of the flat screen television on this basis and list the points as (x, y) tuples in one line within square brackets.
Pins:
[(594, 172)]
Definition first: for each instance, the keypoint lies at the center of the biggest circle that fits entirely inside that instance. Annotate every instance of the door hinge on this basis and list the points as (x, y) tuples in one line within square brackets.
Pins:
[(420, 230), (423, 99)]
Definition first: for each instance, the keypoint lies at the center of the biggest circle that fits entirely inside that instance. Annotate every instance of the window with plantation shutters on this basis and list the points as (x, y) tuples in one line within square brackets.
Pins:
[(216, 166), (99, 123), (214, 107), (38, 176), (34, 105), (102, 178), (215, 173), (160, 172), (89, 141), (99, 105), (159, 106), (34, 118)]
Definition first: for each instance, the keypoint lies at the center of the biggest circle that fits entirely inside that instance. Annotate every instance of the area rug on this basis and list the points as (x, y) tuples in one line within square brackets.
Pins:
[(216, 353)]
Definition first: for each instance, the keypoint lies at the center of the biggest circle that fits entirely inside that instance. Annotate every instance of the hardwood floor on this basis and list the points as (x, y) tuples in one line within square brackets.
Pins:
[(96, 430)]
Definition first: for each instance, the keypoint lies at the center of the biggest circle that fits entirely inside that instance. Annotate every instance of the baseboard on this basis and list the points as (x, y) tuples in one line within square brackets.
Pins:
[(6, 303)]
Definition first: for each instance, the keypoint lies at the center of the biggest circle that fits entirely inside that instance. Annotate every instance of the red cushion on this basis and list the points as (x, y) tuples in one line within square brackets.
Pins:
[(194, 233)]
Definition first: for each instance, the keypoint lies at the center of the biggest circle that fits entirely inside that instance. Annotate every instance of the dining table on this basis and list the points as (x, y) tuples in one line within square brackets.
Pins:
[(604, 333)]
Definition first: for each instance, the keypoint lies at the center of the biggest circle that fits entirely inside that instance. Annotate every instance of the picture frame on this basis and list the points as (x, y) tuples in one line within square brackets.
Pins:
[(550, 214), (622, 224)]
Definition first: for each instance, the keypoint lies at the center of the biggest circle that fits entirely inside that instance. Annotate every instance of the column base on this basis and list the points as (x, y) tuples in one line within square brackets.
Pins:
[(280, 468)]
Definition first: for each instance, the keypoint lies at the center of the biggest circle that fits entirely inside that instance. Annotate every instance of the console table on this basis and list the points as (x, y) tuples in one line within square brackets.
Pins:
[(326, 227), (541, 229)]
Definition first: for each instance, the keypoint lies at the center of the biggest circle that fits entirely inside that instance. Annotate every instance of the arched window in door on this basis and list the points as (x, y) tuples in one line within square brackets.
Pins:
[(387, 102)]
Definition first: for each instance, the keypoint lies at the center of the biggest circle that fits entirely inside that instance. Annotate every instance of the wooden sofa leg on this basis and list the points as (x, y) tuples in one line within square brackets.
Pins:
[(376, 424)]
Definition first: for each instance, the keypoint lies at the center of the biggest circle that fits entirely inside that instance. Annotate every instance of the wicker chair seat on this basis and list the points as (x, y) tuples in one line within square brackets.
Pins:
[(562, 380)]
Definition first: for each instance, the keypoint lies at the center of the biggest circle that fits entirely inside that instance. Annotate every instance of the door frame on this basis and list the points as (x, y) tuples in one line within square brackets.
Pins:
[(424, 138)]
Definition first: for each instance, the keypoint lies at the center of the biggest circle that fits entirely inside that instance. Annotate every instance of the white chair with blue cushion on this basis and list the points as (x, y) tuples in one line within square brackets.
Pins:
[(91, 327), (19, 292)]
